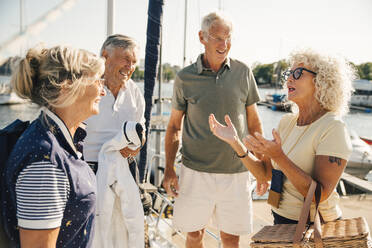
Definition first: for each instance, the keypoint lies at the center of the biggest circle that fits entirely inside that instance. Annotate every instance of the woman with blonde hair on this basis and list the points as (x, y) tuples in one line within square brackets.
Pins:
[(312, 144), (50, 192)]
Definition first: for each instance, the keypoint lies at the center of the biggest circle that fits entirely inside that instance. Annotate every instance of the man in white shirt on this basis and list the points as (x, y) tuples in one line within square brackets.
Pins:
[(123, 102)]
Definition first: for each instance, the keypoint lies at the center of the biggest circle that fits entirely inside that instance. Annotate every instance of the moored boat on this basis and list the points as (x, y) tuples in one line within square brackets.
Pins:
[(367, 140), (360, 161), (363, 93), (277, 102), (7, 95), (10, 98)]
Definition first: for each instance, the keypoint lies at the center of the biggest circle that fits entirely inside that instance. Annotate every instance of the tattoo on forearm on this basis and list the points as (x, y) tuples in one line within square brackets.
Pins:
[(335, 160)]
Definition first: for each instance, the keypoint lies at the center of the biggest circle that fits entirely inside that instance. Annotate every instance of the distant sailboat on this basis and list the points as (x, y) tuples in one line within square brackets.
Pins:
[(7, 95)]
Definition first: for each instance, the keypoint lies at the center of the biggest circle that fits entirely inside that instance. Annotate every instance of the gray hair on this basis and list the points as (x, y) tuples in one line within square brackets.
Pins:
[(209, 19), (118, 40)]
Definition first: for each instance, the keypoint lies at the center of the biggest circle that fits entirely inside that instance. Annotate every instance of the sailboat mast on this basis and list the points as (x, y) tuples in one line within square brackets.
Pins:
[(110, 17), (34, 28), (21, 16), (21, 3), (184, 36), (154, 23)]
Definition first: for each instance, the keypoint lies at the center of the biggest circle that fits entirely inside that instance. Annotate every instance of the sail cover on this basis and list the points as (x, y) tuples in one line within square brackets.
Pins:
[(154, 23)]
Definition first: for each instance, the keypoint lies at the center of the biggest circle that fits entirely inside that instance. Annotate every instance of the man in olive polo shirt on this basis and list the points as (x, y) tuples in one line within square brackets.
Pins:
[(213, 181)]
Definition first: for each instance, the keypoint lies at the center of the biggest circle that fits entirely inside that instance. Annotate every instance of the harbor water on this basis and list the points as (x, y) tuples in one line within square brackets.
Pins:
[(360, 122), (351, 205)]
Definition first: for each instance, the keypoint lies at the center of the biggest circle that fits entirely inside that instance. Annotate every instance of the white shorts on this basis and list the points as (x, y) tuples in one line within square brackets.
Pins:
[(225, 197)]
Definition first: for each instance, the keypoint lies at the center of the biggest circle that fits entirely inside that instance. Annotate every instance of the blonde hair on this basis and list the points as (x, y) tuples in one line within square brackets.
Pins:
[(333, 81), (55, 77)]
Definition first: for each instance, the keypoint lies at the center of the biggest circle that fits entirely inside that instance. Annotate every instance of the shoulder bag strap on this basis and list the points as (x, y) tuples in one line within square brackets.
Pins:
[(300, 228), (317, 222)]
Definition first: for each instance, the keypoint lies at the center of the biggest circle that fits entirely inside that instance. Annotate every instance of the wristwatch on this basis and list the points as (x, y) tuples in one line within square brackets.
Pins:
[(242, 156)]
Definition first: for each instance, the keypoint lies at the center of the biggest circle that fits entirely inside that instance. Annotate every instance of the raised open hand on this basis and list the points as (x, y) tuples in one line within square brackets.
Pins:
[(270, 148), (226, 133)]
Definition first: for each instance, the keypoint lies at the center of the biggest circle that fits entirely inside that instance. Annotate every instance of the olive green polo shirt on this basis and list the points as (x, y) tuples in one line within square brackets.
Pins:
[(198, 92)]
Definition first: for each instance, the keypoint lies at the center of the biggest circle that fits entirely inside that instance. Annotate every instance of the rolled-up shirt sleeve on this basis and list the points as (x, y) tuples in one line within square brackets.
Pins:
[(42, 190)]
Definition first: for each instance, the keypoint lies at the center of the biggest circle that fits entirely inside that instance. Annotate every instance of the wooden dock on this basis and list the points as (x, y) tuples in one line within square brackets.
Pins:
[(351, 205), (360, 108)]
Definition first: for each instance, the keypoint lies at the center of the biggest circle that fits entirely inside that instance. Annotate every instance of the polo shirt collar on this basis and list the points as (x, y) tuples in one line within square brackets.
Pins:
[(200, 66), (62, 126)]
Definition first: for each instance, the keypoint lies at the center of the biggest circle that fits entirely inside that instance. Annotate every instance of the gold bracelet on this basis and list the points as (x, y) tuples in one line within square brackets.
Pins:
[(242, 156)]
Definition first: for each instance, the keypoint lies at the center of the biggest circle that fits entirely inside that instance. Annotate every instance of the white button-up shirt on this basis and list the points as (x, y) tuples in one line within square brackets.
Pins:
[(129, 105)]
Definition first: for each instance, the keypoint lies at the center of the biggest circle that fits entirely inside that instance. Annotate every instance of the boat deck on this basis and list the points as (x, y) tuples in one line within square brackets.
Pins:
[(352, 206)]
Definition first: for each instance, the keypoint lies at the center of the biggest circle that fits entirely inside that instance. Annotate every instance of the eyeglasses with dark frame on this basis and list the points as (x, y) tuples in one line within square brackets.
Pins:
[(296, 73)]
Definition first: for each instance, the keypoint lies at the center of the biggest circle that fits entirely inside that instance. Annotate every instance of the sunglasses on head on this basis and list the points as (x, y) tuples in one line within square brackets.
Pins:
[(296, 73)]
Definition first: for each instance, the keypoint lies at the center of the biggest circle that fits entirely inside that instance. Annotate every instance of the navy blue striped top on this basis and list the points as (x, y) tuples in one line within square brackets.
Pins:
[(47, 185), (42, 190)]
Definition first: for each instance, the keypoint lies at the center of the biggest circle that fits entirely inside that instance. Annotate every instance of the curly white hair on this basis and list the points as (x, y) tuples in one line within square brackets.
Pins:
[(333, 81)]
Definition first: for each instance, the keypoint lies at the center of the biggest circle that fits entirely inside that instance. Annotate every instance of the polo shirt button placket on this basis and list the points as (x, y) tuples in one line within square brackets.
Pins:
[(218, 80)]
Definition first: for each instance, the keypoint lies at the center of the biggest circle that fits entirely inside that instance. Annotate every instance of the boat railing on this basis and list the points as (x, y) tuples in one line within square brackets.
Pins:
[(162, 204)]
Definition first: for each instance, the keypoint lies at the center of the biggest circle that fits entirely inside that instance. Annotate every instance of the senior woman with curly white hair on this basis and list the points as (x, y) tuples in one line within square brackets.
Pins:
[(312, 144)]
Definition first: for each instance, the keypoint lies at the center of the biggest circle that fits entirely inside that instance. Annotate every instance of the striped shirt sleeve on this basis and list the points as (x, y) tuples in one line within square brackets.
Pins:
[(42, 190)]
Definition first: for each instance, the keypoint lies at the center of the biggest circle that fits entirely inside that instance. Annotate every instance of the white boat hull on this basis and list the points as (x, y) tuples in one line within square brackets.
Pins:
[(10, 98), (361, 100), (360, 161)]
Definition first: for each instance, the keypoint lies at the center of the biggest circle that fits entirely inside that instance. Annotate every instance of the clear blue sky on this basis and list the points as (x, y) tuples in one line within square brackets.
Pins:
[(264, 30)]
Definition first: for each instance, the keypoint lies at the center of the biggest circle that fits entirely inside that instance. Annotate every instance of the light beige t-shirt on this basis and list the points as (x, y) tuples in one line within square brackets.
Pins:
[(326, 136)]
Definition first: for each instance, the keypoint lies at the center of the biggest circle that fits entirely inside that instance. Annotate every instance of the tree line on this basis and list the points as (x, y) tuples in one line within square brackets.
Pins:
[(168, 73), (270, 74), (265, 74)]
